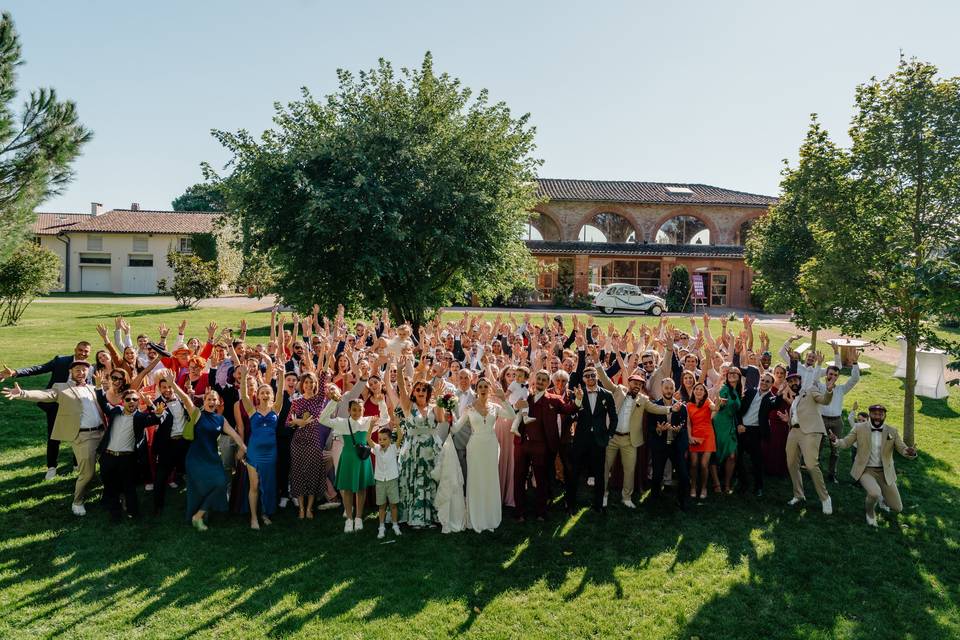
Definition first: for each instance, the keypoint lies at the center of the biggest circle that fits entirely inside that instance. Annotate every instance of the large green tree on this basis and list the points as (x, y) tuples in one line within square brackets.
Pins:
[(199, 197), (782, 248), (38, 143), (406, 190), (905, 172)]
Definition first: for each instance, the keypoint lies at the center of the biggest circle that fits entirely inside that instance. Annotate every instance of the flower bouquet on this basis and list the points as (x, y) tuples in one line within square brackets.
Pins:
[(448, 402)]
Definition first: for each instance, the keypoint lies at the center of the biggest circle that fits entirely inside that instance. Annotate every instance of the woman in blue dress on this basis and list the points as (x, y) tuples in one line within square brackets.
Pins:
[(206, 480), (261, 458)]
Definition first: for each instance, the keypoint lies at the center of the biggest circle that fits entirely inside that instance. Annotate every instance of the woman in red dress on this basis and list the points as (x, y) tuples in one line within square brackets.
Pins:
[(703, 441)]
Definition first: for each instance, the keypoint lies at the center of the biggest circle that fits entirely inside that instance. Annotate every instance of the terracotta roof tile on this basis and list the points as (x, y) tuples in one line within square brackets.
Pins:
[(50, 224), (544, 247), (647, 193), (140, 221)]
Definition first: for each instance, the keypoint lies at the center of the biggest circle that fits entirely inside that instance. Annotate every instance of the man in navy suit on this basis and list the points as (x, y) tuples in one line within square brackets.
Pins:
[(754, 418), (596, 423), (59, 369), (667, 439)]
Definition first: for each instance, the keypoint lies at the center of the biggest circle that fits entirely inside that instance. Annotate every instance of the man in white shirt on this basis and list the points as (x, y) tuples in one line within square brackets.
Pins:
[(873, 466), (832, 418), (169, 445)]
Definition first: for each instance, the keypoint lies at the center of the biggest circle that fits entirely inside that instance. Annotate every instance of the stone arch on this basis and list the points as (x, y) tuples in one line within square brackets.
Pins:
[(743, 225), (704, 221), (546, 225), (613, 223)]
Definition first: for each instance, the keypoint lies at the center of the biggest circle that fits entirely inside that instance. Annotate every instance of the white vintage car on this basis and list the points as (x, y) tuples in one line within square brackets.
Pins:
[(628, 297)]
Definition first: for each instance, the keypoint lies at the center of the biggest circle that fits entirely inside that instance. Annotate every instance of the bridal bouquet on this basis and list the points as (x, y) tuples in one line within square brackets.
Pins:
[(448, 402)]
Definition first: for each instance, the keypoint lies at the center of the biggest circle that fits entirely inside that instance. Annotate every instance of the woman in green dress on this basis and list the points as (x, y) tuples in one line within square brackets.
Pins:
[(354, 475), (725, 423)]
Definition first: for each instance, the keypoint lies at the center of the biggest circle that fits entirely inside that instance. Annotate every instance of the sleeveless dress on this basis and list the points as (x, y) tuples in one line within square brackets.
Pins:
[(262, 456), (483, 459), (418, 456), (701, 427), (506, 439), (206, 481), (353, 474), (306, 448), (725, 424), (774, 448)]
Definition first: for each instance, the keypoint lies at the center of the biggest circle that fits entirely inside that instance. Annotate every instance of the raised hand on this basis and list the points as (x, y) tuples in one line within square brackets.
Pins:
[(102, 330), (854, 408), (163, 330), (181, 327), (243, 326), (578, 394), (10, 394), (211, 331), (118, 322), (6, 372)]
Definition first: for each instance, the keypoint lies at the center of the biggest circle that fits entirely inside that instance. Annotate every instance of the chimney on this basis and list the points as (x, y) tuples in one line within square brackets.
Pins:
[(96, 208), (134, 206)]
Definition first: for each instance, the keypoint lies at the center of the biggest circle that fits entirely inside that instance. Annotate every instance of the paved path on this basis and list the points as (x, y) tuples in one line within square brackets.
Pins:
[(228, 302)]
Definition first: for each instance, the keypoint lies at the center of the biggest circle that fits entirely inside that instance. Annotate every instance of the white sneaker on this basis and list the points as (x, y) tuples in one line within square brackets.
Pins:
[(872, 520), (357, 524), (326, 506), (883, 506), (148, 487), (396, 529), (78, 510), (173, 485), (296, 502), (348, 526), (827, 506), (629, 504), (50, 474), (604, 500), (284, 502), (589, 482), (794, 501), (380, 532)]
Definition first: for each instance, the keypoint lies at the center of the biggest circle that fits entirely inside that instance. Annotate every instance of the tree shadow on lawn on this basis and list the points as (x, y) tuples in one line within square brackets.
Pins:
[(937, 408), (806, 571)]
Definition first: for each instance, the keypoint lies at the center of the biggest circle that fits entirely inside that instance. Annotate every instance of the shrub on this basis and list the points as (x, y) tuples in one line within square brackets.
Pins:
[(678, 294), (29, 272), (193, 279)]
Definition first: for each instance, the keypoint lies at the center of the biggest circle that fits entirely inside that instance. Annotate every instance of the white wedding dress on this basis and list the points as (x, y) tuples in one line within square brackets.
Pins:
[(449, 502), (483, 462)]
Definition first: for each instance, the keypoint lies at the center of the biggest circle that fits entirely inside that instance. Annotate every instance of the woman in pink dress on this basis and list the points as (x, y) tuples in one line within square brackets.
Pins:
[(505, 438)]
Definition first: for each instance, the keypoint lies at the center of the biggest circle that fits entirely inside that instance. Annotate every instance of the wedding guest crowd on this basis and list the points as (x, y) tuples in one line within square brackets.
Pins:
[(451, 424)]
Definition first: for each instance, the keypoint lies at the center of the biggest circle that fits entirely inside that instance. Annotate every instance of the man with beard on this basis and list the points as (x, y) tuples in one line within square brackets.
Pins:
[(873, 466), (754, 426), (667, 435), (806, 432)]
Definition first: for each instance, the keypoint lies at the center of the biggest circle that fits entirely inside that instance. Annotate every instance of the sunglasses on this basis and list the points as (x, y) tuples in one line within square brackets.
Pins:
[(589, 375), (131, 399), (117, 378)]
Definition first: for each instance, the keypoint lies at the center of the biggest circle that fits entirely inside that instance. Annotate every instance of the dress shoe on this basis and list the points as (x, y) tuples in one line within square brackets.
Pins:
[(51, 473), (827, 506)]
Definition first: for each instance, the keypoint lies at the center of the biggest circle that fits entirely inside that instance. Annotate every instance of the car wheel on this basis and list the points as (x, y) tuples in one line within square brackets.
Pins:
[(656, 310), (608, 310)]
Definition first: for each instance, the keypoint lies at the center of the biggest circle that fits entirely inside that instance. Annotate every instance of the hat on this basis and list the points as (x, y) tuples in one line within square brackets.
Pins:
[(181, 351), (877, 407), (794, 375), (766, 354), (82, 363), (636, 377), (159, 349)]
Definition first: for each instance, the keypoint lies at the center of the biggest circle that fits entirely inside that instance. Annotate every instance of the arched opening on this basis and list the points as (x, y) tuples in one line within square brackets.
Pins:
[(607, 227), (542, 227), (745, 230), (532, 233), (683, 230)]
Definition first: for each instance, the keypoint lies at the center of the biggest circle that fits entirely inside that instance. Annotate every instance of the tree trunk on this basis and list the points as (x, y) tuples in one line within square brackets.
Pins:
[(909, 385), (813, 340)]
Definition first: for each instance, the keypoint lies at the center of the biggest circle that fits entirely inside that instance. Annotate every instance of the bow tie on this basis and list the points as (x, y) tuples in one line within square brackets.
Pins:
[(524, 385), (632, 395), (880, 428)]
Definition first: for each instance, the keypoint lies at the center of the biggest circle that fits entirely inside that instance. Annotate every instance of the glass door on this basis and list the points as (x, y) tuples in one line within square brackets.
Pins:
[(718, 289)]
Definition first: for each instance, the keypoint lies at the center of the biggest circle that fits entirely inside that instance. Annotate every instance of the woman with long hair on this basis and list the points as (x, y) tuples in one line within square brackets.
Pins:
[(725, 423), (774, 448), (306, 447), (261, 458), (505, 438), (700, 410)]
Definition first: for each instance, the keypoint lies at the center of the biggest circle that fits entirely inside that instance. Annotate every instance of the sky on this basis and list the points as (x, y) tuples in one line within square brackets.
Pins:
[(687, 92)]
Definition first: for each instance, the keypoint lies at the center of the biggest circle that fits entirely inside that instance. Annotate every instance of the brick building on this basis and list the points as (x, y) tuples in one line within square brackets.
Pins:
[(599, 232)]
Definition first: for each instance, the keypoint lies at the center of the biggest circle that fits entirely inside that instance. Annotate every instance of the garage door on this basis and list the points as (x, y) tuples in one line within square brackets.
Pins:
[(139, 280), (95, 278)]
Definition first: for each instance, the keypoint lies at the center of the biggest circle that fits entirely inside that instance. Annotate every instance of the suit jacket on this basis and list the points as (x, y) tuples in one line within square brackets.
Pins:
[(766, 405), (641, 404), (545, 413), (658, 441), (141, 420), (599, 425), (653, 382), (891, 440), (70, 407), (808, 409), (58, 367)]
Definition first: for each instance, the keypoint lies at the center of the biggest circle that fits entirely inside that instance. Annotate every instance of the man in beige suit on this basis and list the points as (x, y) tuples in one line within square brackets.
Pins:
[(873, 466), (630, 403), (79, 422), (806, 432)]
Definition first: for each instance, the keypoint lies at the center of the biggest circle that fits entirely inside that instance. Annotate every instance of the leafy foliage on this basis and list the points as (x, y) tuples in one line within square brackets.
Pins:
[(200, 197), (194, 279), (37, 146), (679, 290), (405, 191), (30, 272)]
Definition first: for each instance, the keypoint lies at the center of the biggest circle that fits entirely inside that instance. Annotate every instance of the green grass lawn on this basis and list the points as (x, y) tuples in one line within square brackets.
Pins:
[(735, 567)]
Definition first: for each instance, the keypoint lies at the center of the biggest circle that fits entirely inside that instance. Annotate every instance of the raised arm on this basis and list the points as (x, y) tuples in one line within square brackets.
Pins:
[(244, 393), (184, 397)]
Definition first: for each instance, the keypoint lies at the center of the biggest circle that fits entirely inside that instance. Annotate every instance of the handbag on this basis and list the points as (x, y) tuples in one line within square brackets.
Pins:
[(192, 417), (363, 451)]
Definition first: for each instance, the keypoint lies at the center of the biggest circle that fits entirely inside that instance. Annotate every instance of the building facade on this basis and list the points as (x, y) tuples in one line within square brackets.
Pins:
[(118, 251), (593, 233)]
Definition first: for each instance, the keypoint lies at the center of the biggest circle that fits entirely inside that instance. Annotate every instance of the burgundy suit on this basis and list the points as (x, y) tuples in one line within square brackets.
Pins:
[(538, 445)]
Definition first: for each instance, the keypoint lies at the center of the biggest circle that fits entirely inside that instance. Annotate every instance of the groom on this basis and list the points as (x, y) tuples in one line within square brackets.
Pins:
[(596, 424)]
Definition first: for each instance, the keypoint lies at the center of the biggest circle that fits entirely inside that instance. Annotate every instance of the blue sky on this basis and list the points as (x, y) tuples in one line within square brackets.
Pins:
[(711, 92)]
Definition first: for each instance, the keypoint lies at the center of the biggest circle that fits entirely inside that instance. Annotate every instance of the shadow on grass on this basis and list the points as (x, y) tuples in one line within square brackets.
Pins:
[(808, 574)]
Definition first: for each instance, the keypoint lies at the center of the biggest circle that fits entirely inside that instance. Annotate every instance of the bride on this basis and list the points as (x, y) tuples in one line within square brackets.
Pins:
[(483, 454)]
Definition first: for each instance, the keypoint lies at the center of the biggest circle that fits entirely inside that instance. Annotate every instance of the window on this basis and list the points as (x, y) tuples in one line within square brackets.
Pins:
[(718, 290), (644, 274), (186, 245), (95, 258), (94, 243), (140, 244), (140, 260), (608, 227), (683, 230), (679, 191)]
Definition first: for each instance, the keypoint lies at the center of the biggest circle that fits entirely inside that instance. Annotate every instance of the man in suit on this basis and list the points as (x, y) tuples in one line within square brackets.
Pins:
[(873, 466), (169, 445), (123, 442), (631, 403), (753, 427), (668, 440), (79, 421), (806, 432), (596, 423), (538, 444), (59, 369)]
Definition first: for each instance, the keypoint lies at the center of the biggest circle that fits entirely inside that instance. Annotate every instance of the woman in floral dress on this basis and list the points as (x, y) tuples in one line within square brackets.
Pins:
[(306, 447), (419, 419)]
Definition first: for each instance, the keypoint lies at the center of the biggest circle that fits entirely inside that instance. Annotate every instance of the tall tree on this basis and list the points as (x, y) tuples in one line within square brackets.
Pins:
[(905, 172), (399, 190), (199, 197), (781, 247), (37, 145)]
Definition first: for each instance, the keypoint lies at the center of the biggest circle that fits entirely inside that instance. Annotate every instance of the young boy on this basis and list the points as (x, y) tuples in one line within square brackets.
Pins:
[(519, 390), (387, 476)]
